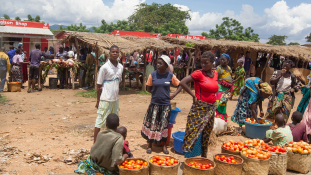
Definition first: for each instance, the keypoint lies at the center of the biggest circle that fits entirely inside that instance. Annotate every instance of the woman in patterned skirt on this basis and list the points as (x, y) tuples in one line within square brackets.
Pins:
[(200, 119), (155, 125), (239, 78), (17, 61)]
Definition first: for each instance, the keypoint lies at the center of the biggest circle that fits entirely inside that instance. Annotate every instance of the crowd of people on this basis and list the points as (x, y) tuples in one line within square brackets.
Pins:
[(213, 87)]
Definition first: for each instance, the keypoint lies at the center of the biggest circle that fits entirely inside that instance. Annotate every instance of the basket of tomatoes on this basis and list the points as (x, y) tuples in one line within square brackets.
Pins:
[(299, 156), (256, 161), (163, 164), (134, 166), (232, 147), (228, 164), (199, 166), (278, 159)]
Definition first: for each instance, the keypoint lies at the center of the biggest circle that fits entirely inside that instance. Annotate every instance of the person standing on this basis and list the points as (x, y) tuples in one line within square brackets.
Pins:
[(11, 53), (200, 120), (247, 64), (304, 102), (285, 85), (62, 54), (90, 64), (157, 117), (239, 77), (17, 61), (108, 81), (24, 66), (5, 67), (34, 58)]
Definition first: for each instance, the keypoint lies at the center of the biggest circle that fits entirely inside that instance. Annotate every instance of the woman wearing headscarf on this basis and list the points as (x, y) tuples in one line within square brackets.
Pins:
[(306, 94), (225, 84), (200, 120), (285, 85), (251, 95)]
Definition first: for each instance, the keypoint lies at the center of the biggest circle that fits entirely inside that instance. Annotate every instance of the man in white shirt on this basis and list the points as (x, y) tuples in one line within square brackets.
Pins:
[(108, 80)]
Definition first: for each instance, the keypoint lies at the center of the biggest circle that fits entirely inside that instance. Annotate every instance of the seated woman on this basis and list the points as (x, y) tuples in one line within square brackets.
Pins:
[(107, 151), (281, 135), (253, 93)]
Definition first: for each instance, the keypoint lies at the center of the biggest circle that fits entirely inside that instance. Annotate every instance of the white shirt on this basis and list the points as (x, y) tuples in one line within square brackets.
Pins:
[(109, 77), (284, 84)]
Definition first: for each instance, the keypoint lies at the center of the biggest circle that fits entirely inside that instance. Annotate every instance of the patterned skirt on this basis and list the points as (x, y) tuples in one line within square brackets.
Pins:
[(17, 73), (282, 104), (221, 98), (89, 167), (155, 125), (200, 120), (305, 100)]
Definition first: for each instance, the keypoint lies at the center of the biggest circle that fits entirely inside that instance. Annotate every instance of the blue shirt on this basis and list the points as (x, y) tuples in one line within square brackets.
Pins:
[(11, 54), (247, 64), (83, 58), (161, 88)]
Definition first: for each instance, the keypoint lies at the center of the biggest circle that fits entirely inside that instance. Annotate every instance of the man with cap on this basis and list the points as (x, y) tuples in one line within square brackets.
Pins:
[(4, 67)]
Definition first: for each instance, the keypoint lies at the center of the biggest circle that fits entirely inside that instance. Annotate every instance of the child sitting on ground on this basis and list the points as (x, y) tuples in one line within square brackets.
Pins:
[(123, 131), (281, 134), (298, 128)]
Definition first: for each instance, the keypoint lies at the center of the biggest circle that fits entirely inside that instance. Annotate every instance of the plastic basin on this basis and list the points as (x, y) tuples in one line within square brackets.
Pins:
[(174, 113), (255, 130), (178, 141)]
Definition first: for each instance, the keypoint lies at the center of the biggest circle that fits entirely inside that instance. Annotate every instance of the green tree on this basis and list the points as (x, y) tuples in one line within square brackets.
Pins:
[(293, 43), (231, 29), (157, 14), (6, 16), (79, 28), (37, 18), (17, 18), (277, 40), (308, 38), (30, 19)]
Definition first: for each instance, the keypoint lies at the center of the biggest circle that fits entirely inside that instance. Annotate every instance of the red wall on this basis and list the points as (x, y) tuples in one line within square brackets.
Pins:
[(44, 43), (26, 42)]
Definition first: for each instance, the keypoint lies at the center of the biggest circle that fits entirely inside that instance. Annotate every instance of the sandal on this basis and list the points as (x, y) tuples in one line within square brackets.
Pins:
[(166, 152), (149, 151), (29, 90)]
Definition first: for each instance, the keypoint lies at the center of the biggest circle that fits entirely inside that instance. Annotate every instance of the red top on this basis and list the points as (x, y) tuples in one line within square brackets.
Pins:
[(149, 57), (126, 147), (204, 86)]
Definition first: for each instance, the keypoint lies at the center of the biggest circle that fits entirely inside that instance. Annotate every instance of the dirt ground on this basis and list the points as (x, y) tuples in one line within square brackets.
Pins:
[(52, 122)]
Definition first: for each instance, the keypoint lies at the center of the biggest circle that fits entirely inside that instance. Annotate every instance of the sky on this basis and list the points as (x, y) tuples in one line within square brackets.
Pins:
[(266, 17)]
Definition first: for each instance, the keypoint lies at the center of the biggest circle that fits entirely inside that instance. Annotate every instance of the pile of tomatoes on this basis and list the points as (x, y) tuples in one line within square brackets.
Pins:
[(251, 120), (226, 159), (200, 166), (299, 147), (254, 142), (256, 153), (276, 149), (134, 165), (233, 146), (167, 161)]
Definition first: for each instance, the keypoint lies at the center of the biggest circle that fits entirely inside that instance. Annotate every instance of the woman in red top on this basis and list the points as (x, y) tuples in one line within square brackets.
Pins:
[(200, 119)]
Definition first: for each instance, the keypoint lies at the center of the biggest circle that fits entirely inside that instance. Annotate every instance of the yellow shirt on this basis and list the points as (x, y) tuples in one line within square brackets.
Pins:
[(4, 61), (223, 74)]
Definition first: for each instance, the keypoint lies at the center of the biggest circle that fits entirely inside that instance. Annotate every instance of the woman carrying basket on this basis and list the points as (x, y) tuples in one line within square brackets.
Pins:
[(200, 119)]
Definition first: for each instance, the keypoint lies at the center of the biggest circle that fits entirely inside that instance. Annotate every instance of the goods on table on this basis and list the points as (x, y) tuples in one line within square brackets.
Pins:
[(299, 147), (167, 161), (228, 164), (233, 146), (256, 153), (132, 164), (226, 159), (254, 142), (252, 120)]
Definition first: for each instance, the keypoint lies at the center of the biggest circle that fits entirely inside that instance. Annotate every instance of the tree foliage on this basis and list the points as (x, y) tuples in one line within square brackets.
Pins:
[(277, 40), (6, 16), (30, 19), (293, 43), (157, 15), (79, 28), (308, 38), (17, 18), (231, 29), (37, 18)]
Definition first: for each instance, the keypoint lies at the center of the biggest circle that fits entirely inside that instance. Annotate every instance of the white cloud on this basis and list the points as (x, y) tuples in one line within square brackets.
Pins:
[(89, 12)]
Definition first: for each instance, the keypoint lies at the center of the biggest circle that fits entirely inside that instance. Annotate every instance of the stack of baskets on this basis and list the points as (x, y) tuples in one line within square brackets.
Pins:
[(300, 162)]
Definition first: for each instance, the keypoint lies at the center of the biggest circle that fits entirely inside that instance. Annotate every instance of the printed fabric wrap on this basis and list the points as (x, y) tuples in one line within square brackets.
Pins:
[(240, 72), (89, 167), (200, 120), (305, 100), (282, 104)]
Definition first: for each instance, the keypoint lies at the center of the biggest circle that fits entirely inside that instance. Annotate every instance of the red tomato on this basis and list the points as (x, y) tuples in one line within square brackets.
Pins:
[(217, 157), (175, 161), (163, 164), (190, 164)]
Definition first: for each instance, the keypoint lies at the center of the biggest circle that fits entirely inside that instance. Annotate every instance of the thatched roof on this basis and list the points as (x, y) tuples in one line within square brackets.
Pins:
[(292, 51), (127, 45)]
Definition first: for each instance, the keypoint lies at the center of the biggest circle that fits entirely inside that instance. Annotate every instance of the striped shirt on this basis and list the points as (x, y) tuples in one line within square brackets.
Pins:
[(109, 77)]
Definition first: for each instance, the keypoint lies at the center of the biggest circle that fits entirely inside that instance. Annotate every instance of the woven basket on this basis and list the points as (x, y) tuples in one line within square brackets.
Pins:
[(223, 150), (253, 166), (163, 170), (143, 171), (14, 87), (278, 163), (188, 170), (228, 168), (299, 162)]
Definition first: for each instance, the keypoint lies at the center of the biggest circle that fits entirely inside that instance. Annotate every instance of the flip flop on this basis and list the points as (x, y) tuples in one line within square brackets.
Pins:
[(149, 151), (29, 90), (166, 152)]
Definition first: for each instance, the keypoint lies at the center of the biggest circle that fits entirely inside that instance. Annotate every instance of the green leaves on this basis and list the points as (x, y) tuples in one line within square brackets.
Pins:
[(308, 38), (5, 16), (190, 44), (277, 40), (231, 29)]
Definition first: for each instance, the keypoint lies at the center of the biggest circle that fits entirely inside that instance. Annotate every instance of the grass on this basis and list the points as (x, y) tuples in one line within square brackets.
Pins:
[(2, 99), (88, 94), (143, 93)]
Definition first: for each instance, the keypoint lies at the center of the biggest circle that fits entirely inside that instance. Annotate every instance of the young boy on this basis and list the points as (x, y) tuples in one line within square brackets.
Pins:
[(106, 152), (282, 135), (108, 80), (298, 128), (126, 150)]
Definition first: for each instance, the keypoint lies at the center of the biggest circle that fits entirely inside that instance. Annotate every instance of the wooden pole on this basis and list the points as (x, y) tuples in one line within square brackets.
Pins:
[(144, 74), (189, 61), (266, 65), (96, 65)]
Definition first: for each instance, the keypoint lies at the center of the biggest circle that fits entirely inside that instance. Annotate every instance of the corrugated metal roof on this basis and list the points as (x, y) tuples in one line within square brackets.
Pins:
[(25, 30)]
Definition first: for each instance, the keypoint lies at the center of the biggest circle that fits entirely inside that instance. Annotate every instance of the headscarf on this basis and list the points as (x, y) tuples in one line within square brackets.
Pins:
[(20, 44), (240, 60), (266, 88), (225, 55)]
